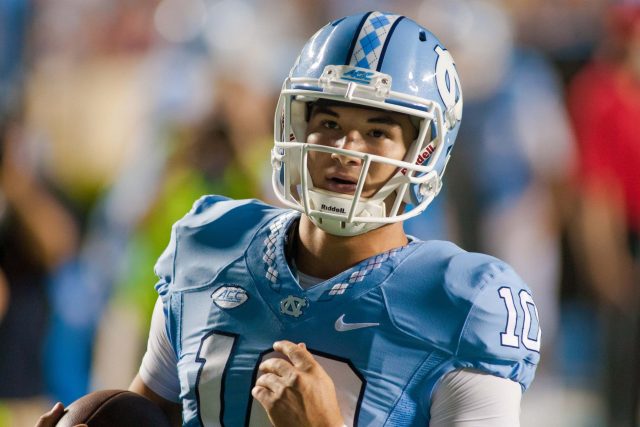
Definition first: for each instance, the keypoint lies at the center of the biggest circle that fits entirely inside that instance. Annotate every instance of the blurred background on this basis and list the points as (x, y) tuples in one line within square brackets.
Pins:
[(115, 116)]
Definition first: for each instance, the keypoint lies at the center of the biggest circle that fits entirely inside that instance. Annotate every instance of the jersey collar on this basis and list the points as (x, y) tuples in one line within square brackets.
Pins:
[(278, 286)]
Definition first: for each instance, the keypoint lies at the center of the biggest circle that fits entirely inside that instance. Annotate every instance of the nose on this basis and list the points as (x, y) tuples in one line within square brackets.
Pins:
[(351, 141)]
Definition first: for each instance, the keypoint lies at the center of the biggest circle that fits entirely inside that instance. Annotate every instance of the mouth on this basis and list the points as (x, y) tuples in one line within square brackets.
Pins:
[(339, 183)]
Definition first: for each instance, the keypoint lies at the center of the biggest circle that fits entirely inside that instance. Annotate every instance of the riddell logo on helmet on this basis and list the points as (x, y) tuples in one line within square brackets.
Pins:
[(332, 209), (422, 157)]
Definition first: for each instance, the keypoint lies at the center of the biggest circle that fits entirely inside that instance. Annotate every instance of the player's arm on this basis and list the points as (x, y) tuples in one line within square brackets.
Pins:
[(468, 398), (157, 378)]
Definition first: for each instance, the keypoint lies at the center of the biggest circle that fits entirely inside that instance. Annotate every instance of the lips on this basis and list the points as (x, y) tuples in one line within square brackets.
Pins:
[(341, 183)]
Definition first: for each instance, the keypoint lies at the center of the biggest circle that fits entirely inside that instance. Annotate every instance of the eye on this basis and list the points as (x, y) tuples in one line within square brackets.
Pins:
[(330, 124), (378, 133)]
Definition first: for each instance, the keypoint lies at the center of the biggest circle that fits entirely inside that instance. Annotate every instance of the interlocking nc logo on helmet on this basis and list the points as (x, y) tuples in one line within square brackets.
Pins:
[(448, 83), (292, 306)]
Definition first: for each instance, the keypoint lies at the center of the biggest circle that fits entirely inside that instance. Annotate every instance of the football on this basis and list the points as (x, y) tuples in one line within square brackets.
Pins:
[(113, 408)]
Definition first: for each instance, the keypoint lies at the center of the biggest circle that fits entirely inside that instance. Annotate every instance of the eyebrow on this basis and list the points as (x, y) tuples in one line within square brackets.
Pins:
[(324, 110), (382, 119), (385, 120)]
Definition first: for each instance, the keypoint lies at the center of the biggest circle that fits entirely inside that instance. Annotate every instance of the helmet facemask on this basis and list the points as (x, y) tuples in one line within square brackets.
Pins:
[(416, 182)]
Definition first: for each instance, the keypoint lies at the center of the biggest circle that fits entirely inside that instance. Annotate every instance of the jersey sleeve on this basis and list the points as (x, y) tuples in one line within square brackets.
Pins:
[(467, 398), (501, 334), (158, 369)]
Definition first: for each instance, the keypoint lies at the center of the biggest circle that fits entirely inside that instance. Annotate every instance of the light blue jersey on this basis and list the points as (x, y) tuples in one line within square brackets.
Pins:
[(387, 330)]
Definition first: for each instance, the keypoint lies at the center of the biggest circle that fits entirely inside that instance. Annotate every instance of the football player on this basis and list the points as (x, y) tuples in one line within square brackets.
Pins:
[(325, 313)]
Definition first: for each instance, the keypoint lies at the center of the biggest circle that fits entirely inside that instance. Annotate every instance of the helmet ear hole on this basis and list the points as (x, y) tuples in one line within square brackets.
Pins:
[(300, 109)]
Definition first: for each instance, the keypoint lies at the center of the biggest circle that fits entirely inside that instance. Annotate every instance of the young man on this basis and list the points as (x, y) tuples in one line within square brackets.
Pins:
[(334, 316)]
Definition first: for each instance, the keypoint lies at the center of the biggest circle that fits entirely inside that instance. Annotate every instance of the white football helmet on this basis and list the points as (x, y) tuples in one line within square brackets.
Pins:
[(378, 60)]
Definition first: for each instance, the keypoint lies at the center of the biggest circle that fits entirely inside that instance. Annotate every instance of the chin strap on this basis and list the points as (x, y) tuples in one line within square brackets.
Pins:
[(325, 201)]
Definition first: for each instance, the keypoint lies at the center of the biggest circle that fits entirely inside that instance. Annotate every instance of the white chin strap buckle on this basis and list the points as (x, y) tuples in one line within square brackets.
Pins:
[(330, 212)]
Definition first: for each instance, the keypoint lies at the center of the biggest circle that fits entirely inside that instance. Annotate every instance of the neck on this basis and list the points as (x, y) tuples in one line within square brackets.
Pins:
[(324, 255)]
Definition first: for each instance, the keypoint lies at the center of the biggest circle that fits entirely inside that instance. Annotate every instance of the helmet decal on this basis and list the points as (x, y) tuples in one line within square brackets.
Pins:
[(448, 83), (369, 46)]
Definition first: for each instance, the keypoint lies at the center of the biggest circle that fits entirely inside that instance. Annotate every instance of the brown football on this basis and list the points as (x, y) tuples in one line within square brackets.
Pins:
[(113, 408)]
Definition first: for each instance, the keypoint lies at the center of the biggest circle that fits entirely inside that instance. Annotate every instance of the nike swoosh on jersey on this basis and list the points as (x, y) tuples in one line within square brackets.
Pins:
[(341, 326)]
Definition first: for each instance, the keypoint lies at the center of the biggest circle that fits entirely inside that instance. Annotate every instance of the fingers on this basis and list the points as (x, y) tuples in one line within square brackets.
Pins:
[(276, 366), (278, 373), (263, 395), (50, 419), (297, 354), (272, 383)]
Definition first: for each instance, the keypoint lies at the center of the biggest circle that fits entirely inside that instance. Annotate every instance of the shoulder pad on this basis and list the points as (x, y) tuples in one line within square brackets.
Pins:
[(214, 233), (458, 295), (502, 333)]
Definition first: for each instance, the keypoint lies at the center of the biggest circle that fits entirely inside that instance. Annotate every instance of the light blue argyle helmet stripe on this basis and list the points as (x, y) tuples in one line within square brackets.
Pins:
[(371, 41)]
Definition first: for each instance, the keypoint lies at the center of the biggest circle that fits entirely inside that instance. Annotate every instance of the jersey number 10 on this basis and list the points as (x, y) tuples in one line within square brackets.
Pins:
[(509, 337)]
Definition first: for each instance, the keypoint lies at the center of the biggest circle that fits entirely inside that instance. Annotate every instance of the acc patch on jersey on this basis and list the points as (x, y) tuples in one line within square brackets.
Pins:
[(229, 296)]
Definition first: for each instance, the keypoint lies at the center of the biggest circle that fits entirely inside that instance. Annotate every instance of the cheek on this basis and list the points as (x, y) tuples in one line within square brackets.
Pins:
[(313, 138), (316, 163), (392, 148), (315, 160), (399, 153), (382, 172), (322, 138), (399, 150)]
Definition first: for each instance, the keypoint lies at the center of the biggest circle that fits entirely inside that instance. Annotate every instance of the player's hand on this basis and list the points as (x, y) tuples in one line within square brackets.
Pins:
[(51, 418), (297, 391)]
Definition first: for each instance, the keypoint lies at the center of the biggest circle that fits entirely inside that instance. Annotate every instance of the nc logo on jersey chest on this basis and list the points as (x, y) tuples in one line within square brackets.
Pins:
[(292, 306), (229, 296)]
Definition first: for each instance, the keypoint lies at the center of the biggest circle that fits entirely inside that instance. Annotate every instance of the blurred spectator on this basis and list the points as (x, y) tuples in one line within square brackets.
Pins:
[(203, 160), (14, 20), (565, 30), (83, 92), (37, 234), (85, 102), (196, 141), (605, 108)]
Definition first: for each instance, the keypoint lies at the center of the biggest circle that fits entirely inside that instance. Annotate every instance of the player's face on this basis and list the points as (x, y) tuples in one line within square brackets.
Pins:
[(359, 129)]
